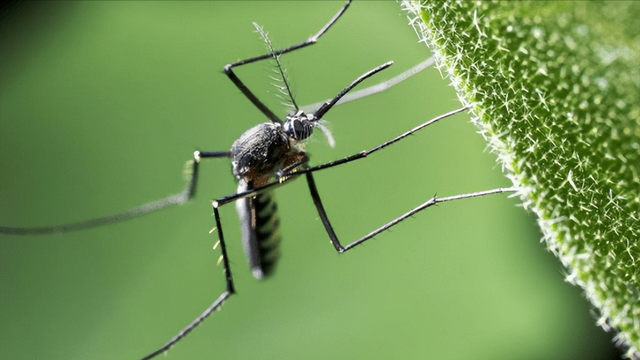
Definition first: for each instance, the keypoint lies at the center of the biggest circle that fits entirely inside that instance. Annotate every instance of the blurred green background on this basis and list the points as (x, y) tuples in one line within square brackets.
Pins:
[(103, 102)]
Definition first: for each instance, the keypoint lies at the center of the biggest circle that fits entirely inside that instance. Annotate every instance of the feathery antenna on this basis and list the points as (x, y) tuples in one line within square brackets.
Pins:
[(283, 89)]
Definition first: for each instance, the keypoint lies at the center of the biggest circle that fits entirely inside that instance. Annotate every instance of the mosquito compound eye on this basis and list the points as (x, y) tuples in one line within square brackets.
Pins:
[(298, 129)]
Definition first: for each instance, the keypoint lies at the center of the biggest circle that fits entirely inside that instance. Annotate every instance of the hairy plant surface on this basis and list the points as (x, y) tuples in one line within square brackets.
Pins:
[(555, 90)]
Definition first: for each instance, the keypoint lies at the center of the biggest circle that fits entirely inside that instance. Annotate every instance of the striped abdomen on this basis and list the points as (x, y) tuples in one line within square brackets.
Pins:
[(260, 227)]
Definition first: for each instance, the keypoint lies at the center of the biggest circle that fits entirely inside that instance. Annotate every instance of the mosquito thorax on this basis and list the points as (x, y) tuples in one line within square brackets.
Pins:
[(299, 125), (260, 151)]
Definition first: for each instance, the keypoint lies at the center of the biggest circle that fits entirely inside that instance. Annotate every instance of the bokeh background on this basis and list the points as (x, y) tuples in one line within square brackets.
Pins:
[(103, 102)]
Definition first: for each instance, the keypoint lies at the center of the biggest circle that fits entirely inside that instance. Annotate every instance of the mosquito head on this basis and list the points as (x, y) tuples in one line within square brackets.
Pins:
[(299, 125)]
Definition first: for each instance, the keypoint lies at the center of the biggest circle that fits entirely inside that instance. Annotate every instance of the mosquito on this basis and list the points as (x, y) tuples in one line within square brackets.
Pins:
[(263, 158)]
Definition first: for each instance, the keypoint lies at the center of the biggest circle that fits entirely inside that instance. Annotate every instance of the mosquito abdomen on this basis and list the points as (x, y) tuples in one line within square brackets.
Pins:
[(267, 231), (260, 227)]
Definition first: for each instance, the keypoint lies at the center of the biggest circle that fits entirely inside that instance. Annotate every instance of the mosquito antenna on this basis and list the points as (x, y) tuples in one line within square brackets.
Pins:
[(283, 89), (228, 69)]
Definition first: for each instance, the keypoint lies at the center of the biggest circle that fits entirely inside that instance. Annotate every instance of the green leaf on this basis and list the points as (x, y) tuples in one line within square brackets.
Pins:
[(555, 88)]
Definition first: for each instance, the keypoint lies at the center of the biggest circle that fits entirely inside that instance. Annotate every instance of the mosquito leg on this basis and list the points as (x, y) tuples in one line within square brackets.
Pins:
[(253, 192), (323, 214), (366, 153), (245, 90), (284, 173), (175, 199), (433, 201), (230, 290), (190, 190)]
